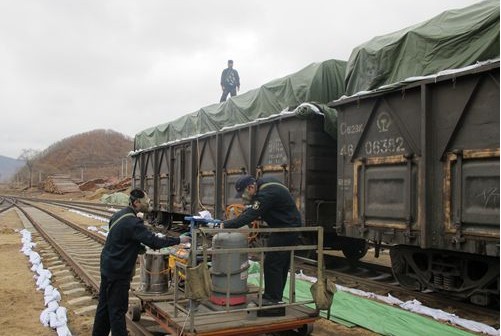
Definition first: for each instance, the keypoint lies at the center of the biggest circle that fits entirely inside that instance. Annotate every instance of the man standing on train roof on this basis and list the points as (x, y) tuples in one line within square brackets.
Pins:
[(230, 82), (272, 201), (118, 261)]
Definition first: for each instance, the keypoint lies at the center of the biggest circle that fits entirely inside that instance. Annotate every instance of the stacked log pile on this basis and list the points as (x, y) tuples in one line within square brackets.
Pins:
[(92, 185), (120, 185), (60, 184), (109, 184)]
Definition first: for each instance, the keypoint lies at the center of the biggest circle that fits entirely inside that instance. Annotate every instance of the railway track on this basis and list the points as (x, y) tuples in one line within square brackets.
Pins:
[(5, 204), (70, 248), (81, 248), (72, 253), (97, 209)]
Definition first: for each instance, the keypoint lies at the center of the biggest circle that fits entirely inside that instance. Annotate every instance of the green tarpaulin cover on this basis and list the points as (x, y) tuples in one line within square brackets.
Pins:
[(453, 39), (318, 82), (351, 310)]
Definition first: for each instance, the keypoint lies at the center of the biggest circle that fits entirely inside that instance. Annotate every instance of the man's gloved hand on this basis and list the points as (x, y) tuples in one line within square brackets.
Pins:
[(185, 238), (215, 224), (142, 249)]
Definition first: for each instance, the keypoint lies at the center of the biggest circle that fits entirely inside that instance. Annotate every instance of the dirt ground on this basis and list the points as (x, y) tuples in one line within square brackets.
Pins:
[(20, 301), (21, 304)]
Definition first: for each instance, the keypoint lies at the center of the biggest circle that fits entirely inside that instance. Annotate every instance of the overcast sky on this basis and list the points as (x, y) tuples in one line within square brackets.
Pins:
[(69, 67)]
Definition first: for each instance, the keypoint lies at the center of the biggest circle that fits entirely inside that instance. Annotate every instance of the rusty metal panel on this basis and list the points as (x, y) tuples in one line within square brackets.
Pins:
[(182, 178), (272, 150), (480, 194), (200, 174), (295, 151), (377, 179), (162, 190), (471, 193), (235, 159), (318, 173), (149, 173), (139, 169), (469, 144), (136, 171), (301, 155), (384, 190), (274, 156), (386, 193), (207, 167), (419, 164)]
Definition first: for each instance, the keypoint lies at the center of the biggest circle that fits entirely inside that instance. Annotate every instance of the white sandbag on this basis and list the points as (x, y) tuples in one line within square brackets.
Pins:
[(44, 317), (34, 258), (53, 295), (54, 322), (48, 290), (52, 306), (63, 331), (42, 282), (61, 313)]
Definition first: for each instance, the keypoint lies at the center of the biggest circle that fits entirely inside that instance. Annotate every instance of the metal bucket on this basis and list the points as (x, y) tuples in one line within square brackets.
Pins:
[(154, 276)]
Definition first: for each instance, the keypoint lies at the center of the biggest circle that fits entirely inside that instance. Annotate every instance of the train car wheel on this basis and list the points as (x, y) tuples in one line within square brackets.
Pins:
[(401, 268), (355, 250)]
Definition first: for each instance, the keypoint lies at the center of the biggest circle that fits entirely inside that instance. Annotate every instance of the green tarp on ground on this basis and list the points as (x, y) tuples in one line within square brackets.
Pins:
[(118, 198), (318, 82), (349, 310), (453, 39)]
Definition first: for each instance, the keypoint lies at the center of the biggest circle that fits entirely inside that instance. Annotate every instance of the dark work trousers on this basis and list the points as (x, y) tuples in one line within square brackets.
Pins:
[(112, 307), (232, 90), (276, 265)]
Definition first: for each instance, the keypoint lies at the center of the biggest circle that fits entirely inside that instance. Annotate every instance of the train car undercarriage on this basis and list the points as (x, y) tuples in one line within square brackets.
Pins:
[(460, 275)]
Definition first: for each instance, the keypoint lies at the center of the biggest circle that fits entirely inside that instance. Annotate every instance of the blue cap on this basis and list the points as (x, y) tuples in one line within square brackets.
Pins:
[(242, 183)]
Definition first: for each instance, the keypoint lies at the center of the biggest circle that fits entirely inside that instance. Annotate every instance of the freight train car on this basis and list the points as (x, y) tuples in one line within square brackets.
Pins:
[(412, 165), (187, 176), (418, 170)]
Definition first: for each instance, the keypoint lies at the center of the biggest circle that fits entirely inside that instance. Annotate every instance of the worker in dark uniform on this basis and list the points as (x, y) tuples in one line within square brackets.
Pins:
[(272, 201), (230, 82), (118, 261)]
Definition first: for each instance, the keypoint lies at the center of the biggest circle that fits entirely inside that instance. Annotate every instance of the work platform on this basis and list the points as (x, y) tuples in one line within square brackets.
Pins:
[(178, 313), (211, 320)]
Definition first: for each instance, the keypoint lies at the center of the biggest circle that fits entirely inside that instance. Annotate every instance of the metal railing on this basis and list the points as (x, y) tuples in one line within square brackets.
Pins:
[(201, 251)]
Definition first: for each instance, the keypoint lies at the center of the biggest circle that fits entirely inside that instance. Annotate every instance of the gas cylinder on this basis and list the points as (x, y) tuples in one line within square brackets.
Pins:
[(229, 270)]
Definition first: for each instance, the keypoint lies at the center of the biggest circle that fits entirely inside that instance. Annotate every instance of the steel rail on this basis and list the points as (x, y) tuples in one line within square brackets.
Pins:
[(85, 276), (95, 209), (89, 280), (97, 237), (97, 205)]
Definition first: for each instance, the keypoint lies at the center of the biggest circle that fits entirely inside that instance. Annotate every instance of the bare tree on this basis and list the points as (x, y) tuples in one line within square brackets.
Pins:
[(29, 156)]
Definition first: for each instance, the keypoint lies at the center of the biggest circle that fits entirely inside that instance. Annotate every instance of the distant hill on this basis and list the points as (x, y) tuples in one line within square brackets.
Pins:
[(94, 154), (8, 167)]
